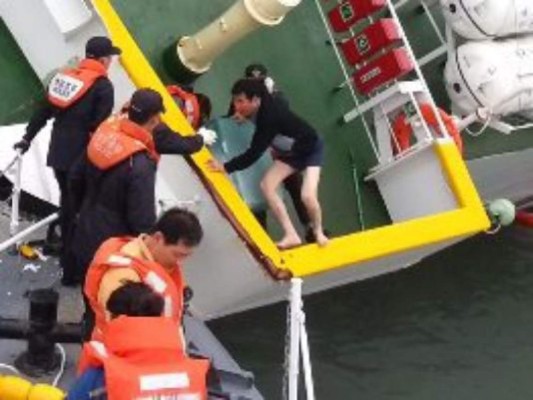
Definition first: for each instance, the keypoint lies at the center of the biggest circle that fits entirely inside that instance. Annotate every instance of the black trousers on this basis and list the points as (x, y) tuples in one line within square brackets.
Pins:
[(66, 226), (62, 181)]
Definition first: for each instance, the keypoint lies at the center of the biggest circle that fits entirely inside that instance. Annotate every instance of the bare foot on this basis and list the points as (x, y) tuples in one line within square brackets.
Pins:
[(288, 242), (321, 239)]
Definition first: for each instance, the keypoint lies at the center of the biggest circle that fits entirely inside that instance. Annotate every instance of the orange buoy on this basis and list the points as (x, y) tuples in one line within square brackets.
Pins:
[(403, 130)]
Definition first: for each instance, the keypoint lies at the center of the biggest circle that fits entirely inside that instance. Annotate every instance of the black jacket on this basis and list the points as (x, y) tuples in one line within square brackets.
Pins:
[(73, 125), (169, 142), (116, 202), (275, 121), (119, 201)]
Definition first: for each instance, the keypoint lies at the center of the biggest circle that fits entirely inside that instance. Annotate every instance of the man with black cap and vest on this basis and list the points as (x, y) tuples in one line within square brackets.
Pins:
[(79, 99), (113, 184)]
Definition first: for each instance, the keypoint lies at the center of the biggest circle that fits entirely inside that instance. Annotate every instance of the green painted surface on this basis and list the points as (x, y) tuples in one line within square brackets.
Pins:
[(19, 85)]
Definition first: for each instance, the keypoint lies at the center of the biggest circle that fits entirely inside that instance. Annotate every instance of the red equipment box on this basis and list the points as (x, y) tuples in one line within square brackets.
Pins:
[(392, 65), (349, 12), (373, 38)]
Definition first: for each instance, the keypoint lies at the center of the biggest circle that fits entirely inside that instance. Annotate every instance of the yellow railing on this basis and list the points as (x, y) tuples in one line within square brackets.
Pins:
[(468, 219)]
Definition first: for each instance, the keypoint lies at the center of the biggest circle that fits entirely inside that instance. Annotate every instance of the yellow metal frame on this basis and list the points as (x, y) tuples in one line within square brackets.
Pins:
[(469, 218)]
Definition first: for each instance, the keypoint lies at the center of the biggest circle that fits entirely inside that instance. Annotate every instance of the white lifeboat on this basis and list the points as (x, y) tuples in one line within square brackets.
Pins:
[(486, 19), (497, 75)]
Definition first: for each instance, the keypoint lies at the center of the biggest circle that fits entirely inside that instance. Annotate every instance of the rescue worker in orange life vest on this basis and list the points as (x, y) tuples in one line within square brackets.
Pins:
[(113, 194), (154, 258), (79, 99), (195, 106), (137, 342), (197, 109)]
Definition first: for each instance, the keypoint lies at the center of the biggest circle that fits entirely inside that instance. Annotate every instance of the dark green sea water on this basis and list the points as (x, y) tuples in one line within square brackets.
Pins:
[(457, 326)]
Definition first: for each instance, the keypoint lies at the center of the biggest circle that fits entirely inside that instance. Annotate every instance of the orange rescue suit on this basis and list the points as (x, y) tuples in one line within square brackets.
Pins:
[(169, 285), (143, 358), (188, 103)]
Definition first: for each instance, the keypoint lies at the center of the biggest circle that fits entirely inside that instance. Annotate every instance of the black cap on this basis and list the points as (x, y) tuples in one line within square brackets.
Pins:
[(101, 46), (255, 71), (146, 102)]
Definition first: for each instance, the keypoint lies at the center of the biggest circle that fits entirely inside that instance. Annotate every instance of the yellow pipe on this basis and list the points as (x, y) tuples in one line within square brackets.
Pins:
[(469, 218)]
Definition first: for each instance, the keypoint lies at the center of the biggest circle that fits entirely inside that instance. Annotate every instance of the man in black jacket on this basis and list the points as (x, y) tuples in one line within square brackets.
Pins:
[(293, 183), (295, 146), (79, 99)]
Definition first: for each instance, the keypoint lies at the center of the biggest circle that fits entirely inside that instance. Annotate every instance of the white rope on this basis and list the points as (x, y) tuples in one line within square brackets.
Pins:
[(494, 230), (10, 368), (62, 366), (480, 131)]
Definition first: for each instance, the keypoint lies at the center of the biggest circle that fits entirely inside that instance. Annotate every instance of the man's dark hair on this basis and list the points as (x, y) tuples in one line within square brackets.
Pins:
[(179, 225), (135, 299), (250, 87)]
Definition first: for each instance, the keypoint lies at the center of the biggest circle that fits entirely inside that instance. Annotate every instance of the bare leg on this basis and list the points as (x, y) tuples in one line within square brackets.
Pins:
[(310, 199), (271, 181), (293, 185)]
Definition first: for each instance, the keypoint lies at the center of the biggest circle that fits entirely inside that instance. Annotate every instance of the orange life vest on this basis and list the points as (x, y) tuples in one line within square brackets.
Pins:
[(143, 359), (188, 103), (169, 285), (117, 139), (403, 130), (69, 85)]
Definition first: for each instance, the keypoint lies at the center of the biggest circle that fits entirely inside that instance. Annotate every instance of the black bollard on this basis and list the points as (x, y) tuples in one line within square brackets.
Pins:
[(41, 357)]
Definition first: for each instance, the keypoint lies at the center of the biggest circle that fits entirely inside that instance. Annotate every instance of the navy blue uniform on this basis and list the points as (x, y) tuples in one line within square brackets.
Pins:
[(119, 201)]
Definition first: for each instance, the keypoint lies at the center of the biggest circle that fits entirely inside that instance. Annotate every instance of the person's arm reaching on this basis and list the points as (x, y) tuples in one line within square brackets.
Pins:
[(37, 122), (260, 142), (170, 142)]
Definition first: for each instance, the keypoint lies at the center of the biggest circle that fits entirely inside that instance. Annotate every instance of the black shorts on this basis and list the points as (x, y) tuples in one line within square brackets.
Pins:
[(299, 162)]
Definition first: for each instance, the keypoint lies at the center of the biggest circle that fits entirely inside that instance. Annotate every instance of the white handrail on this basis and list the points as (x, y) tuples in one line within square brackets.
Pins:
[(15, 197), (294, 328), (306, 359), (418, 71), (347, 79), (23, 234)]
